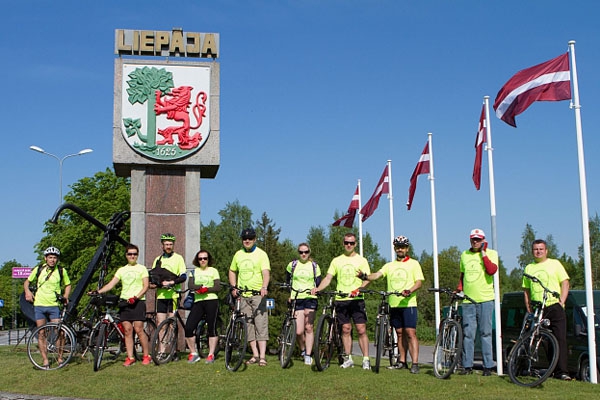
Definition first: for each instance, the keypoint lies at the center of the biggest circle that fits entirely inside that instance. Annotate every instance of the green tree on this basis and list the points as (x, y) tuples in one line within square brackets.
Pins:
[(528, 237), (143, 84), (101, 196), (579, 278), (10, 289)]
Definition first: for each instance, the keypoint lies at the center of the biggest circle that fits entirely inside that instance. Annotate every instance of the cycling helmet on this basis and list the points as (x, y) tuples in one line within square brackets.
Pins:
[(51, 250), (401, 241), (248, 233), (167, 236)]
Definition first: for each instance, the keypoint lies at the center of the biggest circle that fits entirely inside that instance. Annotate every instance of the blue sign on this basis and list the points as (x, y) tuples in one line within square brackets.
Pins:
[(1, 302), (270, 304)]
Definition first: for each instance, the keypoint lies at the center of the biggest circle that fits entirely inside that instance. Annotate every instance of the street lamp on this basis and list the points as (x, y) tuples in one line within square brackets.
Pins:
[(60, 162)]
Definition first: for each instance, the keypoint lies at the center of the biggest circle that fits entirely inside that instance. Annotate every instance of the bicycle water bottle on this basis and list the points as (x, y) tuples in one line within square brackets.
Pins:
[(120, 326)]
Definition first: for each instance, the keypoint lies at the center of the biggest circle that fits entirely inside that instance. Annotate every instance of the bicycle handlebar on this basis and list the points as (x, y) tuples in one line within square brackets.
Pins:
[(536, 280), (244, 290), (287, 286), (332, 293), (453, 294), (381, 292)]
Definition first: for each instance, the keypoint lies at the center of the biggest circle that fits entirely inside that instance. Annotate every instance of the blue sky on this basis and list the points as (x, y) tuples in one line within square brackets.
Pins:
[(314, 96)]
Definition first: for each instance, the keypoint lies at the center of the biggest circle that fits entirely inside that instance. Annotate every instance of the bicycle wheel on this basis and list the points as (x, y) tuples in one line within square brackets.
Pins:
[(288, 342), (391, 344), (381, 327), (101, 343), (164, 341), (56, 341), (448, 347), (149, 328), (533, 358), (235, 344), (324, 342)]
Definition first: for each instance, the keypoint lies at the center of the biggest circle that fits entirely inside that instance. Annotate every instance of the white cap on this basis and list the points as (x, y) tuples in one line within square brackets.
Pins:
[(477, 233)]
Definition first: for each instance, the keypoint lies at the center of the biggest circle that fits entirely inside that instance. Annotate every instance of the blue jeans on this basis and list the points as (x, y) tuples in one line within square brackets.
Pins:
[(477, 316)]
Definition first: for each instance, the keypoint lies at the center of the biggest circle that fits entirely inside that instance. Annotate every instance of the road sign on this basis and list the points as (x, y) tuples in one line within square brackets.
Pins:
[(21, 272), (1, 302)]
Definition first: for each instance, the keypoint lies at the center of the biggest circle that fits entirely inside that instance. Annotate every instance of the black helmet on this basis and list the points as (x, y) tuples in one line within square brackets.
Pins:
[(401, 241), (248, 233)]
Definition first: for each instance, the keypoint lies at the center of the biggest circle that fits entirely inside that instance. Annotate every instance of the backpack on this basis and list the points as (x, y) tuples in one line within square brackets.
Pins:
[(314, 265), (37, 277)]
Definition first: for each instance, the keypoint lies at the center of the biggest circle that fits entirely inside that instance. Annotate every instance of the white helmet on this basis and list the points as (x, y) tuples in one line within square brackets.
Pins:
[(51, 250)]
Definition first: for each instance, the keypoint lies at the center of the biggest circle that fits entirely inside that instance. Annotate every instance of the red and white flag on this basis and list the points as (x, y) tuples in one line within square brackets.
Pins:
[(548, 81), (479, 141), (421, 168), (383, 187), (348, 219)]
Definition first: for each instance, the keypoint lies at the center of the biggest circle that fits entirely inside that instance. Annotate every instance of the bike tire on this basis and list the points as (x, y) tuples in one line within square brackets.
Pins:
[(164, 341), (381, 327), (324, 342), (149, 329), (288, 342), (447, 349), (236, 344), (55, 349), (101, 342), (391, 344), (202, 338), (533, 358)]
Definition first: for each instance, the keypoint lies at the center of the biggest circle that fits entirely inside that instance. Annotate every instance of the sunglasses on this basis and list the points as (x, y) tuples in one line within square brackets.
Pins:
[(347, 243), (132, 254), (202, 258), (247, 238), (303, 252)]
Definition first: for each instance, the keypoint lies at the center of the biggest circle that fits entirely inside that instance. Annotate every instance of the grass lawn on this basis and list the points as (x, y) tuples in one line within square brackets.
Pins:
[(181, 380)]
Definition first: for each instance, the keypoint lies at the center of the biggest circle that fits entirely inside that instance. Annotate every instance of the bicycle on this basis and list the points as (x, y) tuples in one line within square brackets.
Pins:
[(164, 339), (236, 336), (449, 343), (386, 340), (287, 336), (535, 354), (328, 337)]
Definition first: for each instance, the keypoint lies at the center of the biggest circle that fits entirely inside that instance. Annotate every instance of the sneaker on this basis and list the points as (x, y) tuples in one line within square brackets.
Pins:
[(398, 365), (348, 363), (366, 364), (147, 360), (563, 377), (414, 368), (193, 358), (129, 362), (487, 372), (307, 360), (303, 353), (210, 359), (466, 371)]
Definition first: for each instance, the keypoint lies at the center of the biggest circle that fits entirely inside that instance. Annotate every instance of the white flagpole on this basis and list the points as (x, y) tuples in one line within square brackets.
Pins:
[(436, 278), (587, 260), (360, 235), (391, 198), (490, 150)]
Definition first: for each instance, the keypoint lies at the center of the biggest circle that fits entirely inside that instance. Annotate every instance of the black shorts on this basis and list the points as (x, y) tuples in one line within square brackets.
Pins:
[(133, 312), (306, 304), (164, 306), (351, 310)]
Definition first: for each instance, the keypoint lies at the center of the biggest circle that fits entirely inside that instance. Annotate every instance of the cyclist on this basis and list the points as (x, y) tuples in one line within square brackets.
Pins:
[(251, 269), (175, 274), (553, 275), (345, 268), (303, 274), (477, 267), (406, 276), (205, 281), (132, 313), (46, 298)]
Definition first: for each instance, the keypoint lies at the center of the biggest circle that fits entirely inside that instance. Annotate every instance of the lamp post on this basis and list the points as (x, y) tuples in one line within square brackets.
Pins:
[(60, 162)]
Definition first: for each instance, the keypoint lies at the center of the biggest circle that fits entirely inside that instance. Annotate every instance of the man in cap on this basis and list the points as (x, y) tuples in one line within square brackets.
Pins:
[(477, 267), (251, 269)]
